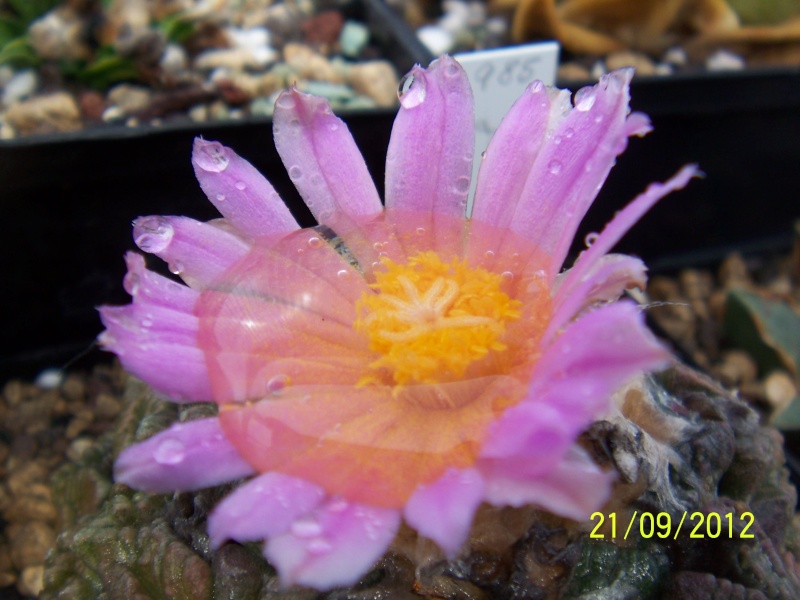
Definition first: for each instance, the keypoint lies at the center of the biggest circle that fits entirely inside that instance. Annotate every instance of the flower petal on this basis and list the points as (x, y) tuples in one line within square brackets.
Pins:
[(186, 457), (572, 165), (150, 289), (334, 545), (507, 162), (263, 507), (323, 160), (443, 510), (429, 160), (239, 191), (198, 252), (574, 290), (574, 488)]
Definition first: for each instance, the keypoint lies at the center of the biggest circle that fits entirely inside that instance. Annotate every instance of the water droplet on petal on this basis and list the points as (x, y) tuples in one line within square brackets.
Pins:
[(294, 123), (131, 283), (452, 69), (175, 268), (569, 132), (314, 242), (554, 167), (285, 100), (338, 505), (557, 140), (590, 239), (540, 274), (306, 528), (278, 383), (212, 157), (240, 185), (295, 172), (469, 156), (420, 231), (598, 119), (343, 274), (333, 126), (462, 185), (537, 86), (220, 197), (483, 155), (507, 276), (584, 98), (170, 452), (489, 254), (146, 323), (152, 234), (411, 91)]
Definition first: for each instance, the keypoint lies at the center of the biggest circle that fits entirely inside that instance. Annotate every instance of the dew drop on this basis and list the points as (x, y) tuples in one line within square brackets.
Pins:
[(294, 123), (175, 268), (469, 156), (152, 234), (285, 101), (131, 283), (314, 242), (377, 245), (483, 155), (212, 157), (318, 546), (537, 86), (278, 383), (342, 274), (569, 132), (540, 274), (557, 140), (220, 197), (462, 185), (590, 239), (584, 99), (411, 91), (295, 172), (338, 505), (554, 167), (146, 323), (306, 528), (420, 231), (333, 126), (489, 254), (240, 185), (170, 452), (507, 276), (598, 119), (451, 70), (316, 180)]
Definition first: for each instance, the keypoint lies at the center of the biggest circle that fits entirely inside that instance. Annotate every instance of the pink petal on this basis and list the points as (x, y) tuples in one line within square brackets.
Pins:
[(572, 165), (323, 160), (334, 545), (137, 323), (186, 457), (608, 278), (574, 488), (443, 510), (144, 352), (512, 151), (593, 357), (429, 161), (573, 292), (239, 191), (263, 507), (148, 288), (198, 252)]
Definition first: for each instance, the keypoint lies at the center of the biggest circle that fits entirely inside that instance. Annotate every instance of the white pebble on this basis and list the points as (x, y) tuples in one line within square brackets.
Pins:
[(436, 39), (676, 56), (49, 379), (21, 85), (722, 60)]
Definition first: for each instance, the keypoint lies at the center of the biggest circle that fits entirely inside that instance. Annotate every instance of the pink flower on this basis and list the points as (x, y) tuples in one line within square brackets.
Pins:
[(398, 363)]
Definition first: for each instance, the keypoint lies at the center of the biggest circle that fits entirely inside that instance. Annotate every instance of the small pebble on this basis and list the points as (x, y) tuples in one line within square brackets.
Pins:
[(49, 379), (31, 581), (52, 113), (29, 543), (21, 86), (436, 39), (723, 60), (353, 38), (780, 390), (377, 80), (641, 62)]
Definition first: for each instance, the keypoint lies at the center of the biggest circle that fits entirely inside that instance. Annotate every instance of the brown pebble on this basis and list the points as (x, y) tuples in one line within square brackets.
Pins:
[(7, 578), (375, 79), (53, 113), (626, 58), (29, 542), (31, 581), (31, 507), (92, 105), (107, 406), (573, 71), (323, 28), (78, 447), (737, 368), (13, 392), (74, 388), (779, 389), (79, 423), (26, 475), (733, 271)]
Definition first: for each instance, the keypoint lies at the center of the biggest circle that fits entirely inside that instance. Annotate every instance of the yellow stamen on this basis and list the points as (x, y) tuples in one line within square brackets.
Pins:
[(429, 320)]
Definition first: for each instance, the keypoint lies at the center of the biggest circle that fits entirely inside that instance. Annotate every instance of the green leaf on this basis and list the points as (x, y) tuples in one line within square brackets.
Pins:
[(107, 70), (176, 28), (19, 53), (768, 329)]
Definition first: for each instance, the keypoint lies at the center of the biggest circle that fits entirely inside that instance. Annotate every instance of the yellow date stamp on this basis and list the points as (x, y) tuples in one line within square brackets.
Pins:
[(700, 526)]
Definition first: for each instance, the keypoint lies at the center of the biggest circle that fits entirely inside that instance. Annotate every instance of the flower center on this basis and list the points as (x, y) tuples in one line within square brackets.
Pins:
[(430, 320)]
